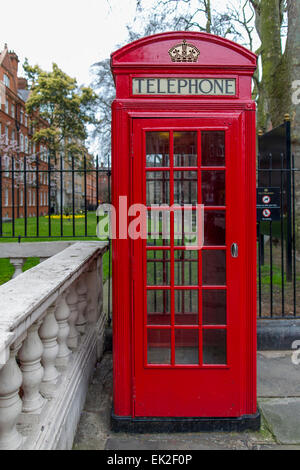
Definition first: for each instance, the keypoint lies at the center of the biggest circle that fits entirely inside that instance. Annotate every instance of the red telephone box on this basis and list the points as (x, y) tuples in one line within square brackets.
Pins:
[(184, 315)]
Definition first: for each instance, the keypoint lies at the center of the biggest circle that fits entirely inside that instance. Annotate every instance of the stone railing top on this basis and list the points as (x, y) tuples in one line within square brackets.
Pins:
[(33, 249), (24, 299)]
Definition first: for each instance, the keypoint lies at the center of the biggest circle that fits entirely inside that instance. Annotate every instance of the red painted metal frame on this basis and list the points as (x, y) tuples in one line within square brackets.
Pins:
[(155, 384), (149, 57)]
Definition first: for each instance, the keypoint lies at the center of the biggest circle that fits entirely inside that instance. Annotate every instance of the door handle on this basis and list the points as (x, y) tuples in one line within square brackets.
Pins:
[(234, 250)]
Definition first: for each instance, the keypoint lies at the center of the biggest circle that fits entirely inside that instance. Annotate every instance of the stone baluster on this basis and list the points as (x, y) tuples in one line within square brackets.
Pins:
[(10, 402), (92, 293), (48, 333), (30, 360), (81, 291), (72, 300), (18, 265), (62, 315), (99, 286)]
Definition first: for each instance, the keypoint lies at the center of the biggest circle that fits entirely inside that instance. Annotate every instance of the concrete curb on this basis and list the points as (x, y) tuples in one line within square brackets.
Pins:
[(277, 335)]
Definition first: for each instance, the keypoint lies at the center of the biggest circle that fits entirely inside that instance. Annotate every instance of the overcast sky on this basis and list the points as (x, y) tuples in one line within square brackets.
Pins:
[(73, 33)]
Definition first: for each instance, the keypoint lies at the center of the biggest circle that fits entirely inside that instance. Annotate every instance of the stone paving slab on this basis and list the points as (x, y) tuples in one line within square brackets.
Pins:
[(94, 427), (198, 441), (278, 388), (283, 418), (277, 376)]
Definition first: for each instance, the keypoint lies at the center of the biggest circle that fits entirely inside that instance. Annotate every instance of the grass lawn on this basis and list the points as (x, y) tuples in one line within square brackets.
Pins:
[(42, 234), (38, 229)]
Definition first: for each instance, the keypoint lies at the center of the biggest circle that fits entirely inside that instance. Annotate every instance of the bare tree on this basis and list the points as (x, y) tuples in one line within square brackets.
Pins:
[(104, 86), (164, 15)]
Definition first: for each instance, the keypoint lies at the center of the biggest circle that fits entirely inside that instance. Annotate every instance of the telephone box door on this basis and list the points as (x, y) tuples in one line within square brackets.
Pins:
[(188, 297)]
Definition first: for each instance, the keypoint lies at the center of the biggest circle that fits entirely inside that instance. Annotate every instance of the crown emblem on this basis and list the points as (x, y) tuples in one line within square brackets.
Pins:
[(184, 52)]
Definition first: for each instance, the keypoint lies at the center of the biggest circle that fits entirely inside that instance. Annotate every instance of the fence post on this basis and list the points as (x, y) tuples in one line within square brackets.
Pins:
[(289, 265), (1, 233)]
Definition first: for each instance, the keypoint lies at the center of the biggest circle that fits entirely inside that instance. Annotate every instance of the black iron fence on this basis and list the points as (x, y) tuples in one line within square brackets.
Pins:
[(278, 248), (46, 200), (42, 198)]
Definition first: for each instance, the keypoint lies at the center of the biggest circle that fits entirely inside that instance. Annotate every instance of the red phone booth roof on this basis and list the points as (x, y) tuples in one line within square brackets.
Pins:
[(153, 52)]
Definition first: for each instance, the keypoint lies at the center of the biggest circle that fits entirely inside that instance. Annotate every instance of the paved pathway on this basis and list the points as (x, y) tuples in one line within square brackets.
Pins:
[(279, 401)]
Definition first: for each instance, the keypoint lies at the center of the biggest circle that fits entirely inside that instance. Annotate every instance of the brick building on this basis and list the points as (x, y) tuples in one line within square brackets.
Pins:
[(17, 151), (103, 184), (91, 191)]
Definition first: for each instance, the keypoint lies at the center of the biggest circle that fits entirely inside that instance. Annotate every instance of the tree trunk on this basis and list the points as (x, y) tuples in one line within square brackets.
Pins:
[(208, 15), (273, 93), (293, 60), (293, 54)]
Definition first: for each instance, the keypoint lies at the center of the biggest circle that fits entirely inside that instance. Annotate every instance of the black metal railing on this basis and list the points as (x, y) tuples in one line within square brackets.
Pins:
[(40, 200), (44, 198), (278, 291)]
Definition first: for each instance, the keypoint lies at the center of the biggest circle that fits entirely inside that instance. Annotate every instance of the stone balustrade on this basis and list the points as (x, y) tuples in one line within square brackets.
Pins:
[(17, 253), (51, 335)]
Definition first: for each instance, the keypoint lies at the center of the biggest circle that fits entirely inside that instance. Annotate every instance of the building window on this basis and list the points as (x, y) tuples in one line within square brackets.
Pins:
[(6, 106), (13, 110), (41, 199), (6, 134), (33, 198), (13, 135), (6, 80), (6, 166), (26, 144), (6, 197), (21, 116), (21, 142), (21, 197), (26, 120), (29, 197)]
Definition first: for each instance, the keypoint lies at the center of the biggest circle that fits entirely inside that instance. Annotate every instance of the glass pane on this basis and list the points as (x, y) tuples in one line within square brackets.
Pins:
[(186, 347), (214, 228), (158, 228), (186, 307), (159, 346), (214, 267), (185, 187), (214, 347), (158, 307), (213, 148), (186, 268), (186, 224), (214, 307), (157, 149), (185, 148), (157, 187), (213, 188), (158, 267)]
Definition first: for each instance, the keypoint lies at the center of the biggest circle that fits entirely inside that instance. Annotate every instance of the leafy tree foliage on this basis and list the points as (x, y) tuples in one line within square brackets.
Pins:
[(65, 108)]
